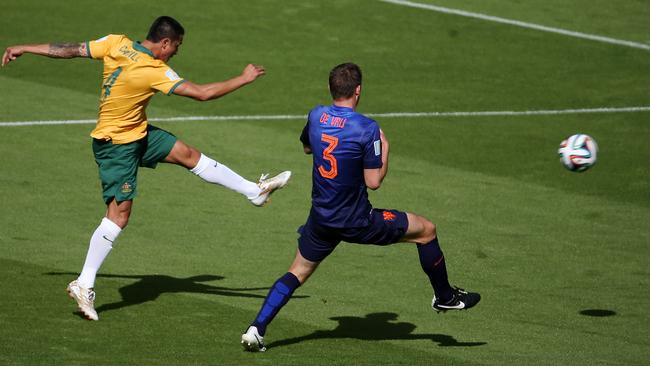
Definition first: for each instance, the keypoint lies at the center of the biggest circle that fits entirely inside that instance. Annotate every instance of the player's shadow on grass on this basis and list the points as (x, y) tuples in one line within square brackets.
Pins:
[(375, 327), (150, 287)]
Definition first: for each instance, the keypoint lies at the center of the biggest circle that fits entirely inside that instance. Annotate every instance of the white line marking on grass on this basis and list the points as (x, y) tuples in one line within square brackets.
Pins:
[(543, 112), (162, 119), (375, 115), (518, 23)]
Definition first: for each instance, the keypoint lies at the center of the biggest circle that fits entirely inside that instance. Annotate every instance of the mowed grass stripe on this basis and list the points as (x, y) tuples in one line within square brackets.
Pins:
[(271, 83), (518, 23)]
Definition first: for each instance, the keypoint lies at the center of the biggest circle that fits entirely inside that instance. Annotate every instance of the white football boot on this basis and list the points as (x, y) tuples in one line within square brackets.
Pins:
[(252, 340), (269, 186), (85, 298)]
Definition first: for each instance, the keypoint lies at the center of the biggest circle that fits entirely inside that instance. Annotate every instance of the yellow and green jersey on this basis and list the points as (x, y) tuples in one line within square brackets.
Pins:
[(131, 77)]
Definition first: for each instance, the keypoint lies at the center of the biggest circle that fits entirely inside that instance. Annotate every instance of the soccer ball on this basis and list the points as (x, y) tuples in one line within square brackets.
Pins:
[(578, 152)]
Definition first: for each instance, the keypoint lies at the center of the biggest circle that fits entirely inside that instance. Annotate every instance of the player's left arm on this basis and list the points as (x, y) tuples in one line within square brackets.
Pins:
[(53, 50), (374, 177), (204, 92)]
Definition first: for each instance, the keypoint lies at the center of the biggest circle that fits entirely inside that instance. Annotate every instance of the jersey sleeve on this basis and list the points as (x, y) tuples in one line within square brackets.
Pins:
[(372, 148), (304, 135), (165, 80), (99, 48)]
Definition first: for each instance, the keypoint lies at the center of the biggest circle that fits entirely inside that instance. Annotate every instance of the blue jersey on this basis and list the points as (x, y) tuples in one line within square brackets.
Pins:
[(343, 143)]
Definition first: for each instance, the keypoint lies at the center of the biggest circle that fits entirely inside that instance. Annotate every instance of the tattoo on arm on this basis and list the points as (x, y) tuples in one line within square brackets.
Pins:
[(67, 50)]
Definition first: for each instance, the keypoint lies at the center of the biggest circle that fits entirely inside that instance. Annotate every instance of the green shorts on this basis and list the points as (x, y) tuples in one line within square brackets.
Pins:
[(118, 163)]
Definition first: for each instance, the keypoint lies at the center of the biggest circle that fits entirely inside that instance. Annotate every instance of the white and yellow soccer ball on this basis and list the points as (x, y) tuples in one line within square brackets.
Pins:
[(578, 152)]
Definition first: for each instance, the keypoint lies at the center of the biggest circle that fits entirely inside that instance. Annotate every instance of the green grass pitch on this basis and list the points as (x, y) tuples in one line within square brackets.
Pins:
[(561, 259)]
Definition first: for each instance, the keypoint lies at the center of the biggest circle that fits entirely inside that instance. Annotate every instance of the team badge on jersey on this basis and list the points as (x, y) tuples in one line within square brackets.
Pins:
[(127, 188)]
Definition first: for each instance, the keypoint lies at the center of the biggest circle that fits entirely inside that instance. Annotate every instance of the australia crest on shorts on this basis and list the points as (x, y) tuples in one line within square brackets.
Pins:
[(127, 187)]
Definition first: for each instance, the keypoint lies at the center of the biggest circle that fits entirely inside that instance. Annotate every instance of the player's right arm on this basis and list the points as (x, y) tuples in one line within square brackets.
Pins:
[(304, 138), (54, 50), (203, 92)]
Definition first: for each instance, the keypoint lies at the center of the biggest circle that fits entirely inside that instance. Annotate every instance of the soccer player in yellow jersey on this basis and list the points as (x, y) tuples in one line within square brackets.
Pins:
[(123, 140)]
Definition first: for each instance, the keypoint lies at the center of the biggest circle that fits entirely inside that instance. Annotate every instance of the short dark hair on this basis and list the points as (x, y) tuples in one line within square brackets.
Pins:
[(165, 27), (344, 79)]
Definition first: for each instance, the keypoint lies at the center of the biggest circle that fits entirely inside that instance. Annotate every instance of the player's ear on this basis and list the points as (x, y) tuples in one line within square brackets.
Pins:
[(357, 90)]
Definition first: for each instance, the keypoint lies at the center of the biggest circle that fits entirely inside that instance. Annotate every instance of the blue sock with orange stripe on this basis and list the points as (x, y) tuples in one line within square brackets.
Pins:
[(433, 264), (278, 296)]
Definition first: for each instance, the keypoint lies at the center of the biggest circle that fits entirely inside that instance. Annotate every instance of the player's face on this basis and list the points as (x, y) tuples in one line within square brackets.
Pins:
[(170, 48)]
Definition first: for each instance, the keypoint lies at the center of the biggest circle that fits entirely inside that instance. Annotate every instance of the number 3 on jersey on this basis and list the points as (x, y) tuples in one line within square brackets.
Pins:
[(327, 155)]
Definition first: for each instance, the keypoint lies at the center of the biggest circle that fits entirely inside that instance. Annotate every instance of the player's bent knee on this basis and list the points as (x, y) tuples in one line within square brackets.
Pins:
[(428, 232), (120, 220), (302, 269), (183, 154), (119, 213), (431, 229)]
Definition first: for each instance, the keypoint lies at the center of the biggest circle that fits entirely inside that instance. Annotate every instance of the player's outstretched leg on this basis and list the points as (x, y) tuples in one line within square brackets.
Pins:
[(214, 172)]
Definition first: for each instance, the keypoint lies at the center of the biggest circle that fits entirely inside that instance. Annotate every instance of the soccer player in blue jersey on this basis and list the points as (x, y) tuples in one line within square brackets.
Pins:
[(350, 154)]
